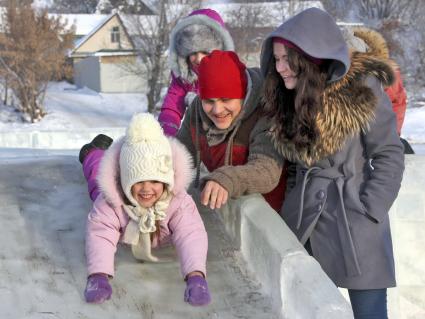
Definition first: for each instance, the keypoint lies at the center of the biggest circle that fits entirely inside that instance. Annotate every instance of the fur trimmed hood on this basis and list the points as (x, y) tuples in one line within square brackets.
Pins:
[(178, 63), (348, 108), (108, 177), (374, 40), (377, 46)]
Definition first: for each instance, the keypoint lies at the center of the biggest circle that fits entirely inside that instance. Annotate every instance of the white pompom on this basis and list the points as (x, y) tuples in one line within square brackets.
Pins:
[(143, 127)]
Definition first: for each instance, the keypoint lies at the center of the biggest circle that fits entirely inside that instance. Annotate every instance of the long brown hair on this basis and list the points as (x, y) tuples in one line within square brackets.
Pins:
[(295, 111)]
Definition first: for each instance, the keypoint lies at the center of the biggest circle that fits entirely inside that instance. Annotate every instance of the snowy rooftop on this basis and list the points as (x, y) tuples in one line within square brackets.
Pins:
[(84, 23)]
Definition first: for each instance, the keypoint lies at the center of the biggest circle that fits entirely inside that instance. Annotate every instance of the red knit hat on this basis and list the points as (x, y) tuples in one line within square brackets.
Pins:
[(222, 75)]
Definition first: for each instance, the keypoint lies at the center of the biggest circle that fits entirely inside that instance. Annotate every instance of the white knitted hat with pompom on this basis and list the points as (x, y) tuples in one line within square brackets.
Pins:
[(145, 154)]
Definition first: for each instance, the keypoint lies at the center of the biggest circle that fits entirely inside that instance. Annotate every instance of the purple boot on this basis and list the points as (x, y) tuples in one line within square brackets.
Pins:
[(90, 156), (101, 142)]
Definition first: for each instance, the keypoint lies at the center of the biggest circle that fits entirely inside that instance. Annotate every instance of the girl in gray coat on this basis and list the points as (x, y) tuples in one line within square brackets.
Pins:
[(332, 118)]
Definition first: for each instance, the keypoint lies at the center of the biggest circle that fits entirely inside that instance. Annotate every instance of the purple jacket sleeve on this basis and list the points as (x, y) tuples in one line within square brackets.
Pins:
[(189, 237), (103, 233), (173, 108)]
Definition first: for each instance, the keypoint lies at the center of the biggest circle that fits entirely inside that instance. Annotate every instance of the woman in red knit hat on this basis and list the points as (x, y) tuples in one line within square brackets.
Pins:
[(224, 129)]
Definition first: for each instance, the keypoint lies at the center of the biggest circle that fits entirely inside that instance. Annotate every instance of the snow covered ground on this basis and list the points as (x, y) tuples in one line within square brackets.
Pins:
[(414, 126), (69, 108)]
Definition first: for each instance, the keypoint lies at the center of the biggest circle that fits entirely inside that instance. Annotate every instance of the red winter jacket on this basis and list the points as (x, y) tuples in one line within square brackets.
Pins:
[(398, 98)]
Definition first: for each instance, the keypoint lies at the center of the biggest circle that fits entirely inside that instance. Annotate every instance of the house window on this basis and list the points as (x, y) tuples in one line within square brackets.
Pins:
[(115, 34)]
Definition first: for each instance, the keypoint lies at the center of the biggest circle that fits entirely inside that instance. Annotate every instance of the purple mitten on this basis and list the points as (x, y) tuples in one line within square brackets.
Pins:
[(197, 293), (98, 289)]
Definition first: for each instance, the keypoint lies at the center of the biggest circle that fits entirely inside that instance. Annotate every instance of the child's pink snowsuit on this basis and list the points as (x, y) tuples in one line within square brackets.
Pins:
[(183, 226)]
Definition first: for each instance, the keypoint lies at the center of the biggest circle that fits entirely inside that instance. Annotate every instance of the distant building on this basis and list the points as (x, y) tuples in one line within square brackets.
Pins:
[(102, 58), (102, 53)]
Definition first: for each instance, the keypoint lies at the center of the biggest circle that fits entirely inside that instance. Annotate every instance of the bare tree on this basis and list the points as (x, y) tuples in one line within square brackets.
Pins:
[(32, 52), (104, 7), (75, 6), (5, 84), (385, 9), (251, 21), (124, 6), (417, 20), (401, 22), (246, 26), (152, 40), (339, 9)]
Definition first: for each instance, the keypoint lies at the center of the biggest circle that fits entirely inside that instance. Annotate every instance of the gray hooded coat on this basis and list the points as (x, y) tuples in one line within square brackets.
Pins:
[(347, 181)]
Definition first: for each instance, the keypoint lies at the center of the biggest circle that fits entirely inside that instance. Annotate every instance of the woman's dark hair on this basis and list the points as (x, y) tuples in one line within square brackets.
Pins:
[(295, 111)]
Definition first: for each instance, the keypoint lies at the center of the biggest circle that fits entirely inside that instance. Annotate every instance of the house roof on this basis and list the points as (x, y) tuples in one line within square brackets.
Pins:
[(98, 27), (84, 23)]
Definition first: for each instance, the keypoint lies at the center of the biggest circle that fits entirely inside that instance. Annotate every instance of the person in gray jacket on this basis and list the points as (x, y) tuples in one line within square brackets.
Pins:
[(331, 117)]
